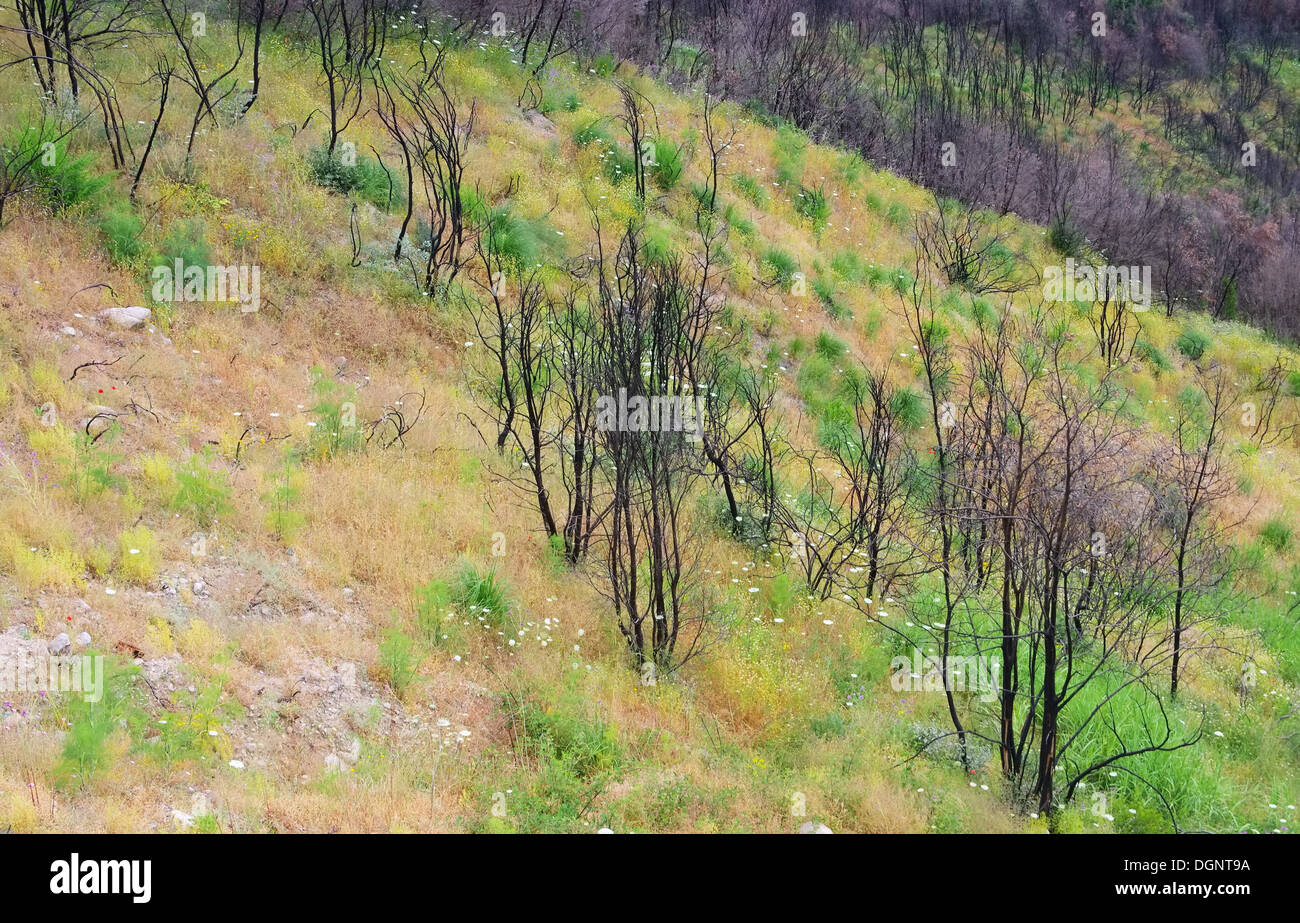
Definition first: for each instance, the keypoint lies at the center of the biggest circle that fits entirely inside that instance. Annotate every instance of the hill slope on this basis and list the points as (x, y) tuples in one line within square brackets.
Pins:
[(316, 646)]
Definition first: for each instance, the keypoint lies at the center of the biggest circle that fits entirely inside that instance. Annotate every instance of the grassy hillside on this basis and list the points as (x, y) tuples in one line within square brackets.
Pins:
[(309, 632)]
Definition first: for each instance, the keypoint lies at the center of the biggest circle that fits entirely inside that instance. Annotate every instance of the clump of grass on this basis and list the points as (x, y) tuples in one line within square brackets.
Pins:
[(42, 568), (788, 154), (201, 491), (1066, 237), (781, 265), (668, 167), (592, 133), (901, 281), (830, 347), (433, 616), (91, 725), (898, 215), (813, 205), (397, 665), (480, 594), (618, 164), (849, 266), (750, 190), (824, 288), (742, 225), (137, 550), (1276, 535), (283, 517), (658, 243), (85, 462), (335, 431)]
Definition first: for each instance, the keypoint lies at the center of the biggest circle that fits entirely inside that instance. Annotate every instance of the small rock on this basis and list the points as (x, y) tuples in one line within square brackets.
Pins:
[(810, 827), (197, 587), (83, 639), (61, 644), (239, 764), (68, 331), (604, 830), (128, 318), (181, 819)]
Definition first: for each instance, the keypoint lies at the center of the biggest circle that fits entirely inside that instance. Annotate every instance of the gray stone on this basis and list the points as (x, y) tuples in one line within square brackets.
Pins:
[(61, 644), (128, 318), (810, 827)]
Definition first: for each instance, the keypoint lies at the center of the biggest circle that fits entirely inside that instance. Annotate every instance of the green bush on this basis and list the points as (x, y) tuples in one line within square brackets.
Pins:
[(909, 408), (368, 178), (65, 182), (186, 241), (1152, 354), (520, 243), (1192, 343), (1067, 239), (592, 133), (619, 164), (122, 232)]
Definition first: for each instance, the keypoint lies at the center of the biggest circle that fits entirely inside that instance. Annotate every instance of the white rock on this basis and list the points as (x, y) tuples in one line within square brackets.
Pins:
[(83, 639), (604, 830), (128, 318), (236, 764), (181, 819), (68, 330), (810, 827), (61, 644)]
